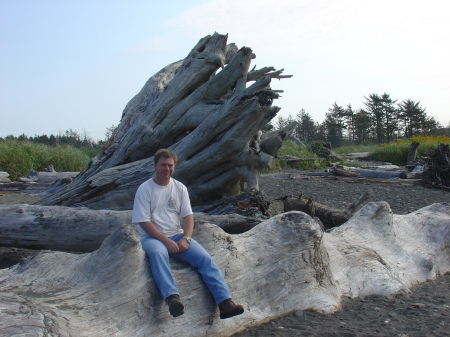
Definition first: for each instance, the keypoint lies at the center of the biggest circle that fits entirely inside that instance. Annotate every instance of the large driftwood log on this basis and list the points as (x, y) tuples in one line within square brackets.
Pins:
[(396, 251), (211, 118), (57, 228), (284, 264), (72, 229)]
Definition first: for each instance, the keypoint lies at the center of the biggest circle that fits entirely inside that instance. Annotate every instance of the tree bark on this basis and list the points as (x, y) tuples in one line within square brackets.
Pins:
[(211, 119)]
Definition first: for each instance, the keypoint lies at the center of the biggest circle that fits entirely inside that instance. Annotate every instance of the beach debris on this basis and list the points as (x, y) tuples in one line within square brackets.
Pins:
[(436, 165)]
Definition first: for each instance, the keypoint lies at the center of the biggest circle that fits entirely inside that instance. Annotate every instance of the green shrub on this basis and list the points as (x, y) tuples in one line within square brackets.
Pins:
[(291, 148), (18, 157), (395, 152)]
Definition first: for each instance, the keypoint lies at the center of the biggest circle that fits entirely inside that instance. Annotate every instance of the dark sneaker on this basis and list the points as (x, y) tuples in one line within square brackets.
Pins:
[(176, 308), (229, 309)]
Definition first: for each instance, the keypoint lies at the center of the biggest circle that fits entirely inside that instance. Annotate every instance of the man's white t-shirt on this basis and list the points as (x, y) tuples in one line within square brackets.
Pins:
[(165, 206)]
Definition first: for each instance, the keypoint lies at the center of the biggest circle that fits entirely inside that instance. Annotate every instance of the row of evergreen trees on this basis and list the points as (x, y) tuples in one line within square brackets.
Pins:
[(69, 137), (381, 121)]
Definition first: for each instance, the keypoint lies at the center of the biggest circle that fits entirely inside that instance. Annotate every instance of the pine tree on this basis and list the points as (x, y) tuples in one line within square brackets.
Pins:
[(363, 126), (374, 106), (306, 128), (390, 113), (350, 120), (412, 116), (335, 125)]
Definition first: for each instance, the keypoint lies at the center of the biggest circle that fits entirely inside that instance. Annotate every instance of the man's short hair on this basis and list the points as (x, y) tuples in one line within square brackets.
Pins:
[(165, 153)]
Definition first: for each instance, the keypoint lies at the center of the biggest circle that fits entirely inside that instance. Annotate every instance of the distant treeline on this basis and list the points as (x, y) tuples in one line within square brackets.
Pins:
[(69, 137), (66, 152), (381, 121)]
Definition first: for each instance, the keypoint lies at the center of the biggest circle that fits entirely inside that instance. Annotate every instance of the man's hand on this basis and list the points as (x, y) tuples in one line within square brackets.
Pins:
[(183, 245), (172, 246)]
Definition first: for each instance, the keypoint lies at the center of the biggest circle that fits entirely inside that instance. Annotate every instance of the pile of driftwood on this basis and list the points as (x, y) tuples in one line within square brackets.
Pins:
[(437, 167), (285, 264), (211, 108)]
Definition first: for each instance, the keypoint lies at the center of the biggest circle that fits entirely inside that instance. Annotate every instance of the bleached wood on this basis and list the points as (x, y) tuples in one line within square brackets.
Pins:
[(329, 216), (378, 252), (4, 177), (209, 117), (284, 264), (78, 229), (57, 228)]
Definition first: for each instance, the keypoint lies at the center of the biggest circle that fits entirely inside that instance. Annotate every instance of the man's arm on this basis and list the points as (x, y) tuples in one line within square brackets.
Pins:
[(151, 230), (188, 225), (188, 229)]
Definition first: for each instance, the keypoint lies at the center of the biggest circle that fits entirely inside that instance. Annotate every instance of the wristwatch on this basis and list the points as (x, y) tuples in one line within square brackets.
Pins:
[(188, 239)]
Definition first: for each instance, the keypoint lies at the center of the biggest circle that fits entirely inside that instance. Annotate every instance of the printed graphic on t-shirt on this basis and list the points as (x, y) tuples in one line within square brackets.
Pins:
[(171, 204)]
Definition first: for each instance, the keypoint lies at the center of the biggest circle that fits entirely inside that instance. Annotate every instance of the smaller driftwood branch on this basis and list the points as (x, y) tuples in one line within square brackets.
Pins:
[(329, 216), (292, 161), (412, 153)]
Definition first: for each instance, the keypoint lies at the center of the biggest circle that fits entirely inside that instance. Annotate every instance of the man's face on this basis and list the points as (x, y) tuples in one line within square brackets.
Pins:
[(164, 168)]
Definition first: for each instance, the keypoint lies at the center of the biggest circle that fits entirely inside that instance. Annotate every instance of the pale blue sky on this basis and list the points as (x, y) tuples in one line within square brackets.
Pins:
[(76, 63)]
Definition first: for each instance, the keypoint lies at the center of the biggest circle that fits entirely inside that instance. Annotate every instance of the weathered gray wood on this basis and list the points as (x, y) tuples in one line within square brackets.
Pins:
[(51, 177), (292, 161), (329, 216), (377, 252), (412, 153), (57, 228), (79, 229), (387, 171), (210, 118), (345, 173), (286, 263), (358, 155), (4, 177)]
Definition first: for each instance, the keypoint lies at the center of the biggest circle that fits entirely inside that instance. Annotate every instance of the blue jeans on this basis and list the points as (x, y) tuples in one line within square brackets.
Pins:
[(196, 256)]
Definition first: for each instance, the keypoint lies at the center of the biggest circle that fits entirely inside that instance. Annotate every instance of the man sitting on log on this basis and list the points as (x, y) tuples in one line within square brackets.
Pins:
[(162, 210)]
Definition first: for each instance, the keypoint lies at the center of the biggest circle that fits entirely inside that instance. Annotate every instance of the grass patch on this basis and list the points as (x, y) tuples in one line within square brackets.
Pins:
[(18, 157), (291, 148), (396, 152)]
